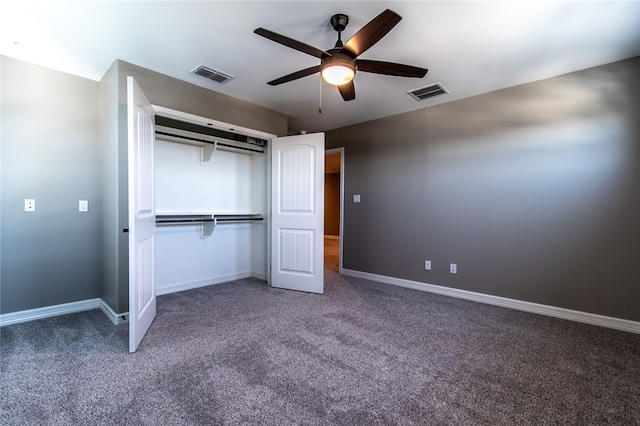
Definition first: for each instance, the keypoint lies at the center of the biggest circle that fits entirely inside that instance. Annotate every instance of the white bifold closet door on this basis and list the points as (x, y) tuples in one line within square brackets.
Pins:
[(297, 213), (142, 214)]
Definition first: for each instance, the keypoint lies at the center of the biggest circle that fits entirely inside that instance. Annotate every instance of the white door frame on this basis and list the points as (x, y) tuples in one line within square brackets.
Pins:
[(341, 224)]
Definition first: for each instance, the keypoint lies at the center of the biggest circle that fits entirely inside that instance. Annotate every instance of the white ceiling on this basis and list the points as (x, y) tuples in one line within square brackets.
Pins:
[(469, 47)]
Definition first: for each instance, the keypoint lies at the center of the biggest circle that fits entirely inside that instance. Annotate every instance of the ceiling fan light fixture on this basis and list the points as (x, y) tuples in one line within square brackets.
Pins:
[(338, 71), (337, 75)]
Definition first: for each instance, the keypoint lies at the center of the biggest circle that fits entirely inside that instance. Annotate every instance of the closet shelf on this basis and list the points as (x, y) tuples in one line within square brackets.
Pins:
[(209, 142), (208, 221)]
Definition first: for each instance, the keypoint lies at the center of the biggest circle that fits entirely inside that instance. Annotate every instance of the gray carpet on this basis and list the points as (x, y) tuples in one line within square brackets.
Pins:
[(363, 353)]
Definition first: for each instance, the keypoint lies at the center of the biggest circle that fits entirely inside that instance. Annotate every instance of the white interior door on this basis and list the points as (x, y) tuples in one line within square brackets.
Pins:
[(142, 219), (297, 216)]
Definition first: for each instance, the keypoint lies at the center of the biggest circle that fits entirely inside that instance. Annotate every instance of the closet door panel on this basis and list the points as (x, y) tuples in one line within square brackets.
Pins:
[(297, 213), (141, 209)]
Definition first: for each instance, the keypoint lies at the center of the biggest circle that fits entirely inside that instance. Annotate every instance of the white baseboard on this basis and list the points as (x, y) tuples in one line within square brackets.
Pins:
[(259, 276), (48, 311), (552, 311), (189, 285), (116, 319)]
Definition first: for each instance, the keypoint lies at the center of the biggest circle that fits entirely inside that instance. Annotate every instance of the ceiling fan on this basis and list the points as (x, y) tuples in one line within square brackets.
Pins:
[(339, 65)]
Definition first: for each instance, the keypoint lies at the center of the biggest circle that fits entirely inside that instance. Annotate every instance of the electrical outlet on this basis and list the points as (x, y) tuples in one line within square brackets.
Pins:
[(427, 265), (83, 206), (453, 268), (356, 198), (29, 205)]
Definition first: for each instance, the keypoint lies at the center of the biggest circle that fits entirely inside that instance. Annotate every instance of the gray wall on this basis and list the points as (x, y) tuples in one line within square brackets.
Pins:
[(63, 140), (167, 92), (534, 191), (50, 153)]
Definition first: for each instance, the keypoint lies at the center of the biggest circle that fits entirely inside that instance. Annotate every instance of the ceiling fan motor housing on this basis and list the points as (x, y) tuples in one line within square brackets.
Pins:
[(338, 57)]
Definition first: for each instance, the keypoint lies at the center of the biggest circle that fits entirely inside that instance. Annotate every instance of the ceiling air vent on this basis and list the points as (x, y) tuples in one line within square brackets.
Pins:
[(427, 92), (212, 74)]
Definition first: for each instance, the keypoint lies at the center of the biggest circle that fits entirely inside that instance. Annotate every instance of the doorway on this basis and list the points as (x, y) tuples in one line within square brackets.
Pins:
[(333, 208)]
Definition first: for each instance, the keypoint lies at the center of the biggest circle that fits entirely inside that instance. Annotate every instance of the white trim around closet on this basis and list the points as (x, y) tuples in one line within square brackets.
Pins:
[(185, 116)]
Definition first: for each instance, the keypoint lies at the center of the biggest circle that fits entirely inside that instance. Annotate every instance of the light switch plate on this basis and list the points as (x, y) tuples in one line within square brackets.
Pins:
[(356, 198), (29, 205)]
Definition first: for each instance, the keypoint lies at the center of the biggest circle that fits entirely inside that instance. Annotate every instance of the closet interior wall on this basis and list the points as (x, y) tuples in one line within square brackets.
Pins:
[(229, 183)]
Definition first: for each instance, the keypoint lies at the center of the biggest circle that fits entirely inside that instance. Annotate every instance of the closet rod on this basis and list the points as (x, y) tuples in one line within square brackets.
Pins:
[(243, 219), (207, 221), (184, 220), (214, 219)]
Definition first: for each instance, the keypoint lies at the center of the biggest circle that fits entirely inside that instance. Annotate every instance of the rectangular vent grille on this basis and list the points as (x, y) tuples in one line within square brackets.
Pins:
[(427, 92), (211, 74)]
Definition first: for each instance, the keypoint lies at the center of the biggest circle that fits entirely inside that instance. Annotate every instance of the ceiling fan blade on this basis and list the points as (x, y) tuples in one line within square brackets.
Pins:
[(390, 68), (289, 42), (371, 33), (295, 75), (348, 91)]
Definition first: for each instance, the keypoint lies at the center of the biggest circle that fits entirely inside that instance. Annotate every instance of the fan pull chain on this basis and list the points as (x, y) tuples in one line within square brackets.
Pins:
[(320, 107)]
